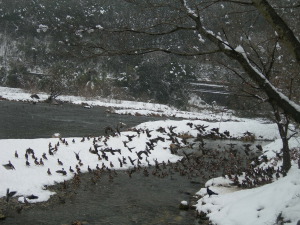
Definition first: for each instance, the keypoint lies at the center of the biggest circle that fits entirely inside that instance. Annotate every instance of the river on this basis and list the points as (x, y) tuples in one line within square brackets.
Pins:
[(25, 120)]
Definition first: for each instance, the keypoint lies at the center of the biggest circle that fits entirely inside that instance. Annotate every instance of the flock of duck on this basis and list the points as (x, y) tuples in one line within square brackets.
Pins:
[(233, 163)]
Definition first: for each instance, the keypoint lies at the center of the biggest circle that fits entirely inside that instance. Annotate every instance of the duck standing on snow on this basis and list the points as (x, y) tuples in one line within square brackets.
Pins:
[(62, 171), (210, 192), (9, 166)]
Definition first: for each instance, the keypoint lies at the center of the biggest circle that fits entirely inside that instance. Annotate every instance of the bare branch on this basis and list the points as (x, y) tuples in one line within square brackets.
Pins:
[(175, 29), (271, 61), (91, 51), (285, 34)]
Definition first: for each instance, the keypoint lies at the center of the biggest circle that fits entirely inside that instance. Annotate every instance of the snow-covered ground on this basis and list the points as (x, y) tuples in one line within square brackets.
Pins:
[(147, 144)]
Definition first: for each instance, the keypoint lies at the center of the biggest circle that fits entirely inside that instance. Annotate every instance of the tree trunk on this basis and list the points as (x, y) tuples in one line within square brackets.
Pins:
[(286, 161), (283, 124)]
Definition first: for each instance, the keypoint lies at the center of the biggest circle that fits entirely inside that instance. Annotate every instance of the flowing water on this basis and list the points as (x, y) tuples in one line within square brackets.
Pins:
[(25, 120), (137, 200)]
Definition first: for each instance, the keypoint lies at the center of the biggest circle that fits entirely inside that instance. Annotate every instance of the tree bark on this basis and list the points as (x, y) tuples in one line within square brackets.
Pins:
[(283, 131)]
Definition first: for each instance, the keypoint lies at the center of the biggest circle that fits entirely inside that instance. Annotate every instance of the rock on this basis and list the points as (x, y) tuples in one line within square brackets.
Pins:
[(110, 110), (52, 101), (193, 203), (2, 216), (77, 223), (86, 105), (202, 216), (55, 102), (34, 96), (193, 206), (184, 205), (56, 135)]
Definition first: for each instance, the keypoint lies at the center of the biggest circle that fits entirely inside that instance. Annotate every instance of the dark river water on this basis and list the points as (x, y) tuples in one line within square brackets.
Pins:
[(137, 200), (25, 120)]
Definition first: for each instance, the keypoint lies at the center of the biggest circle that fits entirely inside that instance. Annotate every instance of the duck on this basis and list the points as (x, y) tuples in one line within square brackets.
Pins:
[(36, 162), (32, 197), (62, 171), (9, 194), (71, 170), (44, 156), (77, 156), (25, 201), (78, 169), (130, 149), (29, 151), (9, 166), (59, 162), (130, 137), (121, 163), (131, 160)]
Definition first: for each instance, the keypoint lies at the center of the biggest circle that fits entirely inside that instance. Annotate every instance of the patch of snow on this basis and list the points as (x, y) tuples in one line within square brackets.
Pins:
[(43, 28), (184, 203)]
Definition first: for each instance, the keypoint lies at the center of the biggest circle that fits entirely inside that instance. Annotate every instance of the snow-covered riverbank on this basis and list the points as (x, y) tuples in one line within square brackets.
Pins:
[(121, 106), (274, 203)]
